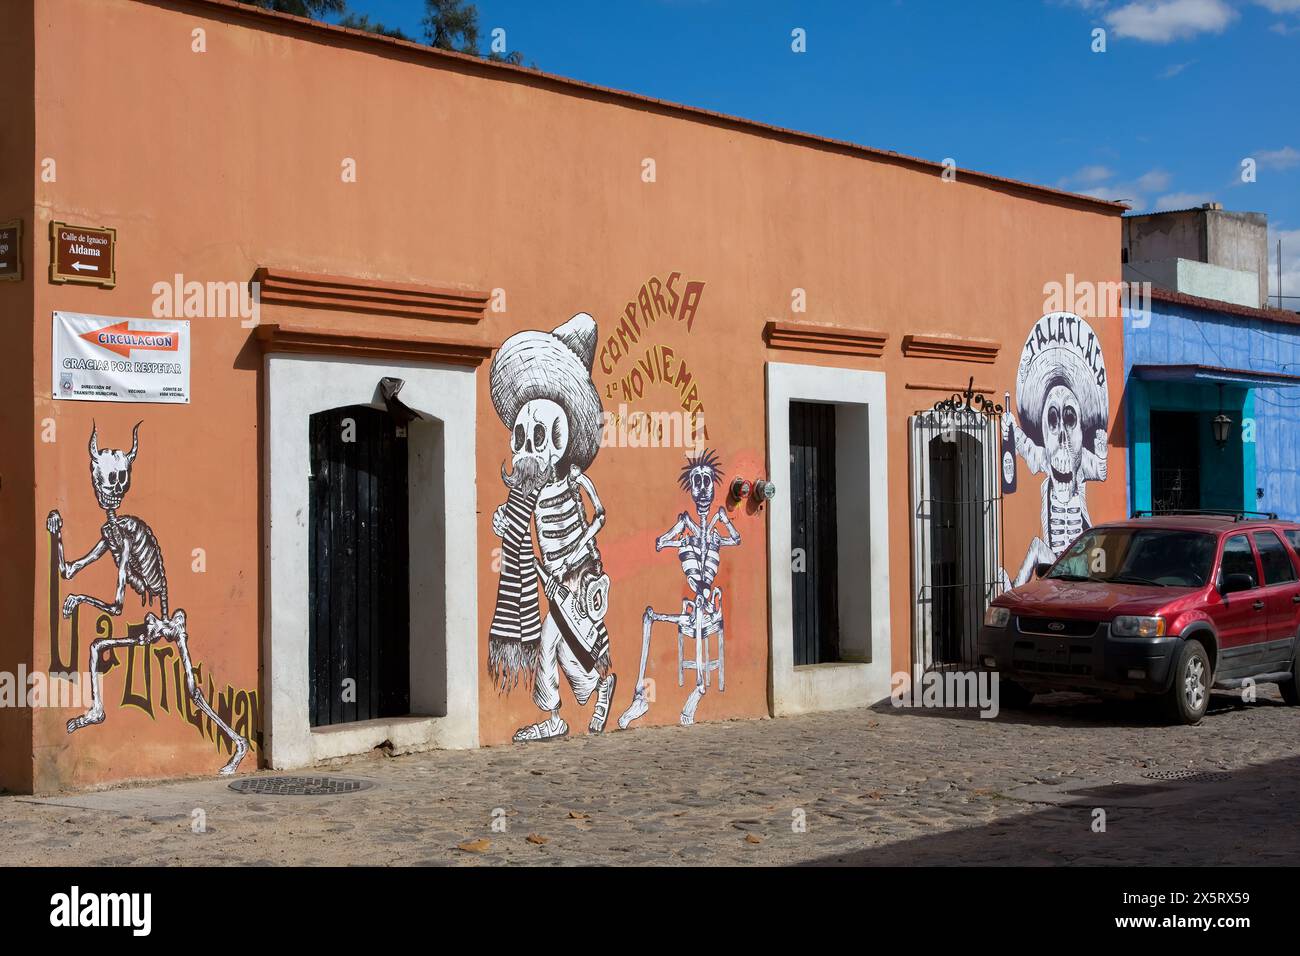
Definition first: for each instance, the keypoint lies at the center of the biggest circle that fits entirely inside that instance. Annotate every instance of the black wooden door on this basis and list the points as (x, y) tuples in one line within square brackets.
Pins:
[(814, 535), (359, 642), (1175, 460), (957, 543)]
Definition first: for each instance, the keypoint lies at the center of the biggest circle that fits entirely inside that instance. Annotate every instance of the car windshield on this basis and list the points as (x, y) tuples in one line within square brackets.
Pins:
[(1138, 556)]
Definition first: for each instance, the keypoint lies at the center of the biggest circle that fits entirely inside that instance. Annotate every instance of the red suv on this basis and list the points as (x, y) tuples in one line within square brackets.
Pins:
[(1169, 604)]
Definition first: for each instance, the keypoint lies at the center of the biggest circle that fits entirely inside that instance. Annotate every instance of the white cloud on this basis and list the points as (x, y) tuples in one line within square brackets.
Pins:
[(1154, 181), (1284, 158), (1163, 21), (1088, 176), (1174, 69), (1134, 192), (1284, 30), (1280, 6), (1181, 201)]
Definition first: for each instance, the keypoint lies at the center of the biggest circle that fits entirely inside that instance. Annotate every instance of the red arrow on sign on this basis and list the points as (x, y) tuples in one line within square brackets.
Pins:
[(120, 339)]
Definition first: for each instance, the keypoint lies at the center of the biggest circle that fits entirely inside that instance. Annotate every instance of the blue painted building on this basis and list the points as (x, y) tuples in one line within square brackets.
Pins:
[(1189, 361)]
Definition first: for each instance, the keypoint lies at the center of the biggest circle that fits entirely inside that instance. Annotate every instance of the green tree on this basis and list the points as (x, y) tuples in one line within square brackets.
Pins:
[(360, 21), (448, 24), (302, 8), (453, 25)]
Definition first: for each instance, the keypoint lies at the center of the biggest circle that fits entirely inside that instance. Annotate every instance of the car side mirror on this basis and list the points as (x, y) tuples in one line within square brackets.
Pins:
[(1041, 569), (1233, 583)]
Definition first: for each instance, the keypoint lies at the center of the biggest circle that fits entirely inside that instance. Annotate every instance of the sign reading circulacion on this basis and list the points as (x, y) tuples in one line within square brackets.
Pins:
[(104, 359), (11, 250), (83, 254)]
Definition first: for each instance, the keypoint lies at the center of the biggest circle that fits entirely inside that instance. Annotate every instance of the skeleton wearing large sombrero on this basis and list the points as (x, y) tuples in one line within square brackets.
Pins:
[(1062, 404), (542, 389)]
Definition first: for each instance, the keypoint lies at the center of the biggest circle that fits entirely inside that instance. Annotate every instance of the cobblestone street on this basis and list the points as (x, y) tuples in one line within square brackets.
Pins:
[(875, 787)]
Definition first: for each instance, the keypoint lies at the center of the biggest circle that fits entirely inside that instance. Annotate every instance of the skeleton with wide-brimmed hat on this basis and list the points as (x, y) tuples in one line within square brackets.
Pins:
[(1062, 404), (542, 390)]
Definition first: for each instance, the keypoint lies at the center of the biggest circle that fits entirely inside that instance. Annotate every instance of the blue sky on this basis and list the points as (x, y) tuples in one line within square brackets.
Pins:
[(1184, 92)]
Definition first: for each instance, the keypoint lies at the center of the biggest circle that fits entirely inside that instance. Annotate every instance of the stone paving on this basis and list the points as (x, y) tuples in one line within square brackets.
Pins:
[(872, 787)]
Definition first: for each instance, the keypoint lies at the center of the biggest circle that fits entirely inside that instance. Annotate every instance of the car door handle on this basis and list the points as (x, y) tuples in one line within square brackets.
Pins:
[(1258, 605), (1295, 599)]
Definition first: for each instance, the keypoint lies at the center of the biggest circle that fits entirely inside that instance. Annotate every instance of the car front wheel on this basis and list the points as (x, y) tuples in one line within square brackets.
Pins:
[(1189, 696)]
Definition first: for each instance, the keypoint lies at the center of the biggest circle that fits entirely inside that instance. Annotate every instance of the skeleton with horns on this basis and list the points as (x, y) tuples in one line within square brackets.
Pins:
[(138, 556)]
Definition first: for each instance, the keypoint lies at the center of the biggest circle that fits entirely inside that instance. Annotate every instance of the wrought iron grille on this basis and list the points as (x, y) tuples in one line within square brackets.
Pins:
[(956, 528)]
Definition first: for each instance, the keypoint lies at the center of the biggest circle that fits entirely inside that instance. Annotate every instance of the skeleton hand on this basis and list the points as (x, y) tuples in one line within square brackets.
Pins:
[(72, 601), (499, 522), (1006, 426), (1099, 443), (54, 523)]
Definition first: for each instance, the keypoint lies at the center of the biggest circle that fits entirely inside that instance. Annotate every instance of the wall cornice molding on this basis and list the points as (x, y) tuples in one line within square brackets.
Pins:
[(983, 351), (369, 296), (836, 339)]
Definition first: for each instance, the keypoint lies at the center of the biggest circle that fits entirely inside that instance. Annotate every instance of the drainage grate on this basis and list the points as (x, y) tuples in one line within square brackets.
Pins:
[(1189, 776), (299, 786)]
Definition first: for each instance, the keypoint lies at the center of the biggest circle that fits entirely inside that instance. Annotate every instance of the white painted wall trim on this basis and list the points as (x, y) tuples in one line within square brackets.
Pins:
[(795, 690), (444, 586)]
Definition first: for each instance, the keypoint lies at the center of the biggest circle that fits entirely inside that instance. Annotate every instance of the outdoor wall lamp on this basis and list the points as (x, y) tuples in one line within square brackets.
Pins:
[(1221, 424)]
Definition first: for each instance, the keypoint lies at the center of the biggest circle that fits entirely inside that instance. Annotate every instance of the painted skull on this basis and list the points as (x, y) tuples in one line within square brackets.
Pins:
[(110, 470), (701, 488), (1062, 434), (699, 478), (541, 432)]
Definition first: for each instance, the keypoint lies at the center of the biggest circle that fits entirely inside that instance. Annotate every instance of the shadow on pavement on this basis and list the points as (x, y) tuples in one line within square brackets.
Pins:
[(1248, 821)]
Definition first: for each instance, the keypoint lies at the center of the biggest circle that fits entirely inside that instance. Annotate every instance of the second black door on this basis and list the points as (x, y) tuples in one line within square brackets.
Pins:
[(814, 533), (359, 643)]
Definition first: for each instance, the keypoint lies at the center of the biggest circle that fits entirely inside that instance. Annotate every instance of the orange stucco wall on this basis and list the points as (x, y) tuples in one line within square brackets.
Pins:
[(212, 164)]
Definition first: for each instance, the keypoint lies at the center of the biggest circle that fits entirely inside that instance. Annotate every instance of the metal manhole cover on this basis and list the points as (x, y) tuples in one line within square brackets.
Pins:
[(1189, 776), (299, 786)]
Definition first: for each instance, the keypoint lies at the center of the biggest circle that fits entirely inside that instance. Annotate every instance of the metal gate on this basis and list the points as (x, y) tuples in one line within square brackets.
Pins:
[(956, 527), (358, 592)]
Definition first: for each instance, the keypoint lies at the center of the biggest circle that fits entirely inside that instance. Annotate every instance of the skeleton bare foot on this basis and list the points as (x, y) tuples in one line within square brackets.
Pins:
[(553, 729), (604, 695), (241, 748), (93, 716), (688, 712), (636, 709)]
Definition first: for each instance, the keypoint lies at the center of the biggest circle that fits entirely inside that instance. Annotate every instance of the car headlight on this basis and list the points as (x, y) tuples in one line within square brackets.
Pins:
[(1129, 625), (996, 617)]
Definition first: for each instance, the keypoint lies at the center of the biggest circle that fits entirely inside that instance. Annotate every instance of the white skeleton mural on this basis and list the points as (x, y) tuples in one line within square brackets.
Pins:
[(1062, 403), (699, 549), (542, 390), (139, 560)]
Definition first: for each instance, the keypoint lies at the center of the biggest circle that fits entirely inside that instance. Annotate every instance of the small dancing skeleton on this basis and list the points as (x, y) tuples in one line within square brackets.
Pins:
[(699, 549), (138, 556)]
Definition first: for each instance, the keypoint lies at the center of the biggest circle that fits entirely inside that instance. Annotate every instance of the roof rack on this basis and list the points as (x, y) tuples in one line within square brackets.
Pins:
[(1235, 515)]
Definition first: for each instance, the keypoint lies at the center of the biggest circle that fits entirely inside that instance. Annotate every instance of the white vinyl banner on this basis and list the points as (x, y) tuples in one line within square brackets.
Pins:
[(105, 359)]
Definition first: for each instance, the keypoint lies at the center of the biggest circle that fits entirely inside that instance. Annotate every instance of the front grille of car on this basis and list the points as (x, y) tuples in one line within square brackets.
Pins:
[(1054, 667), (1056, 627)]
